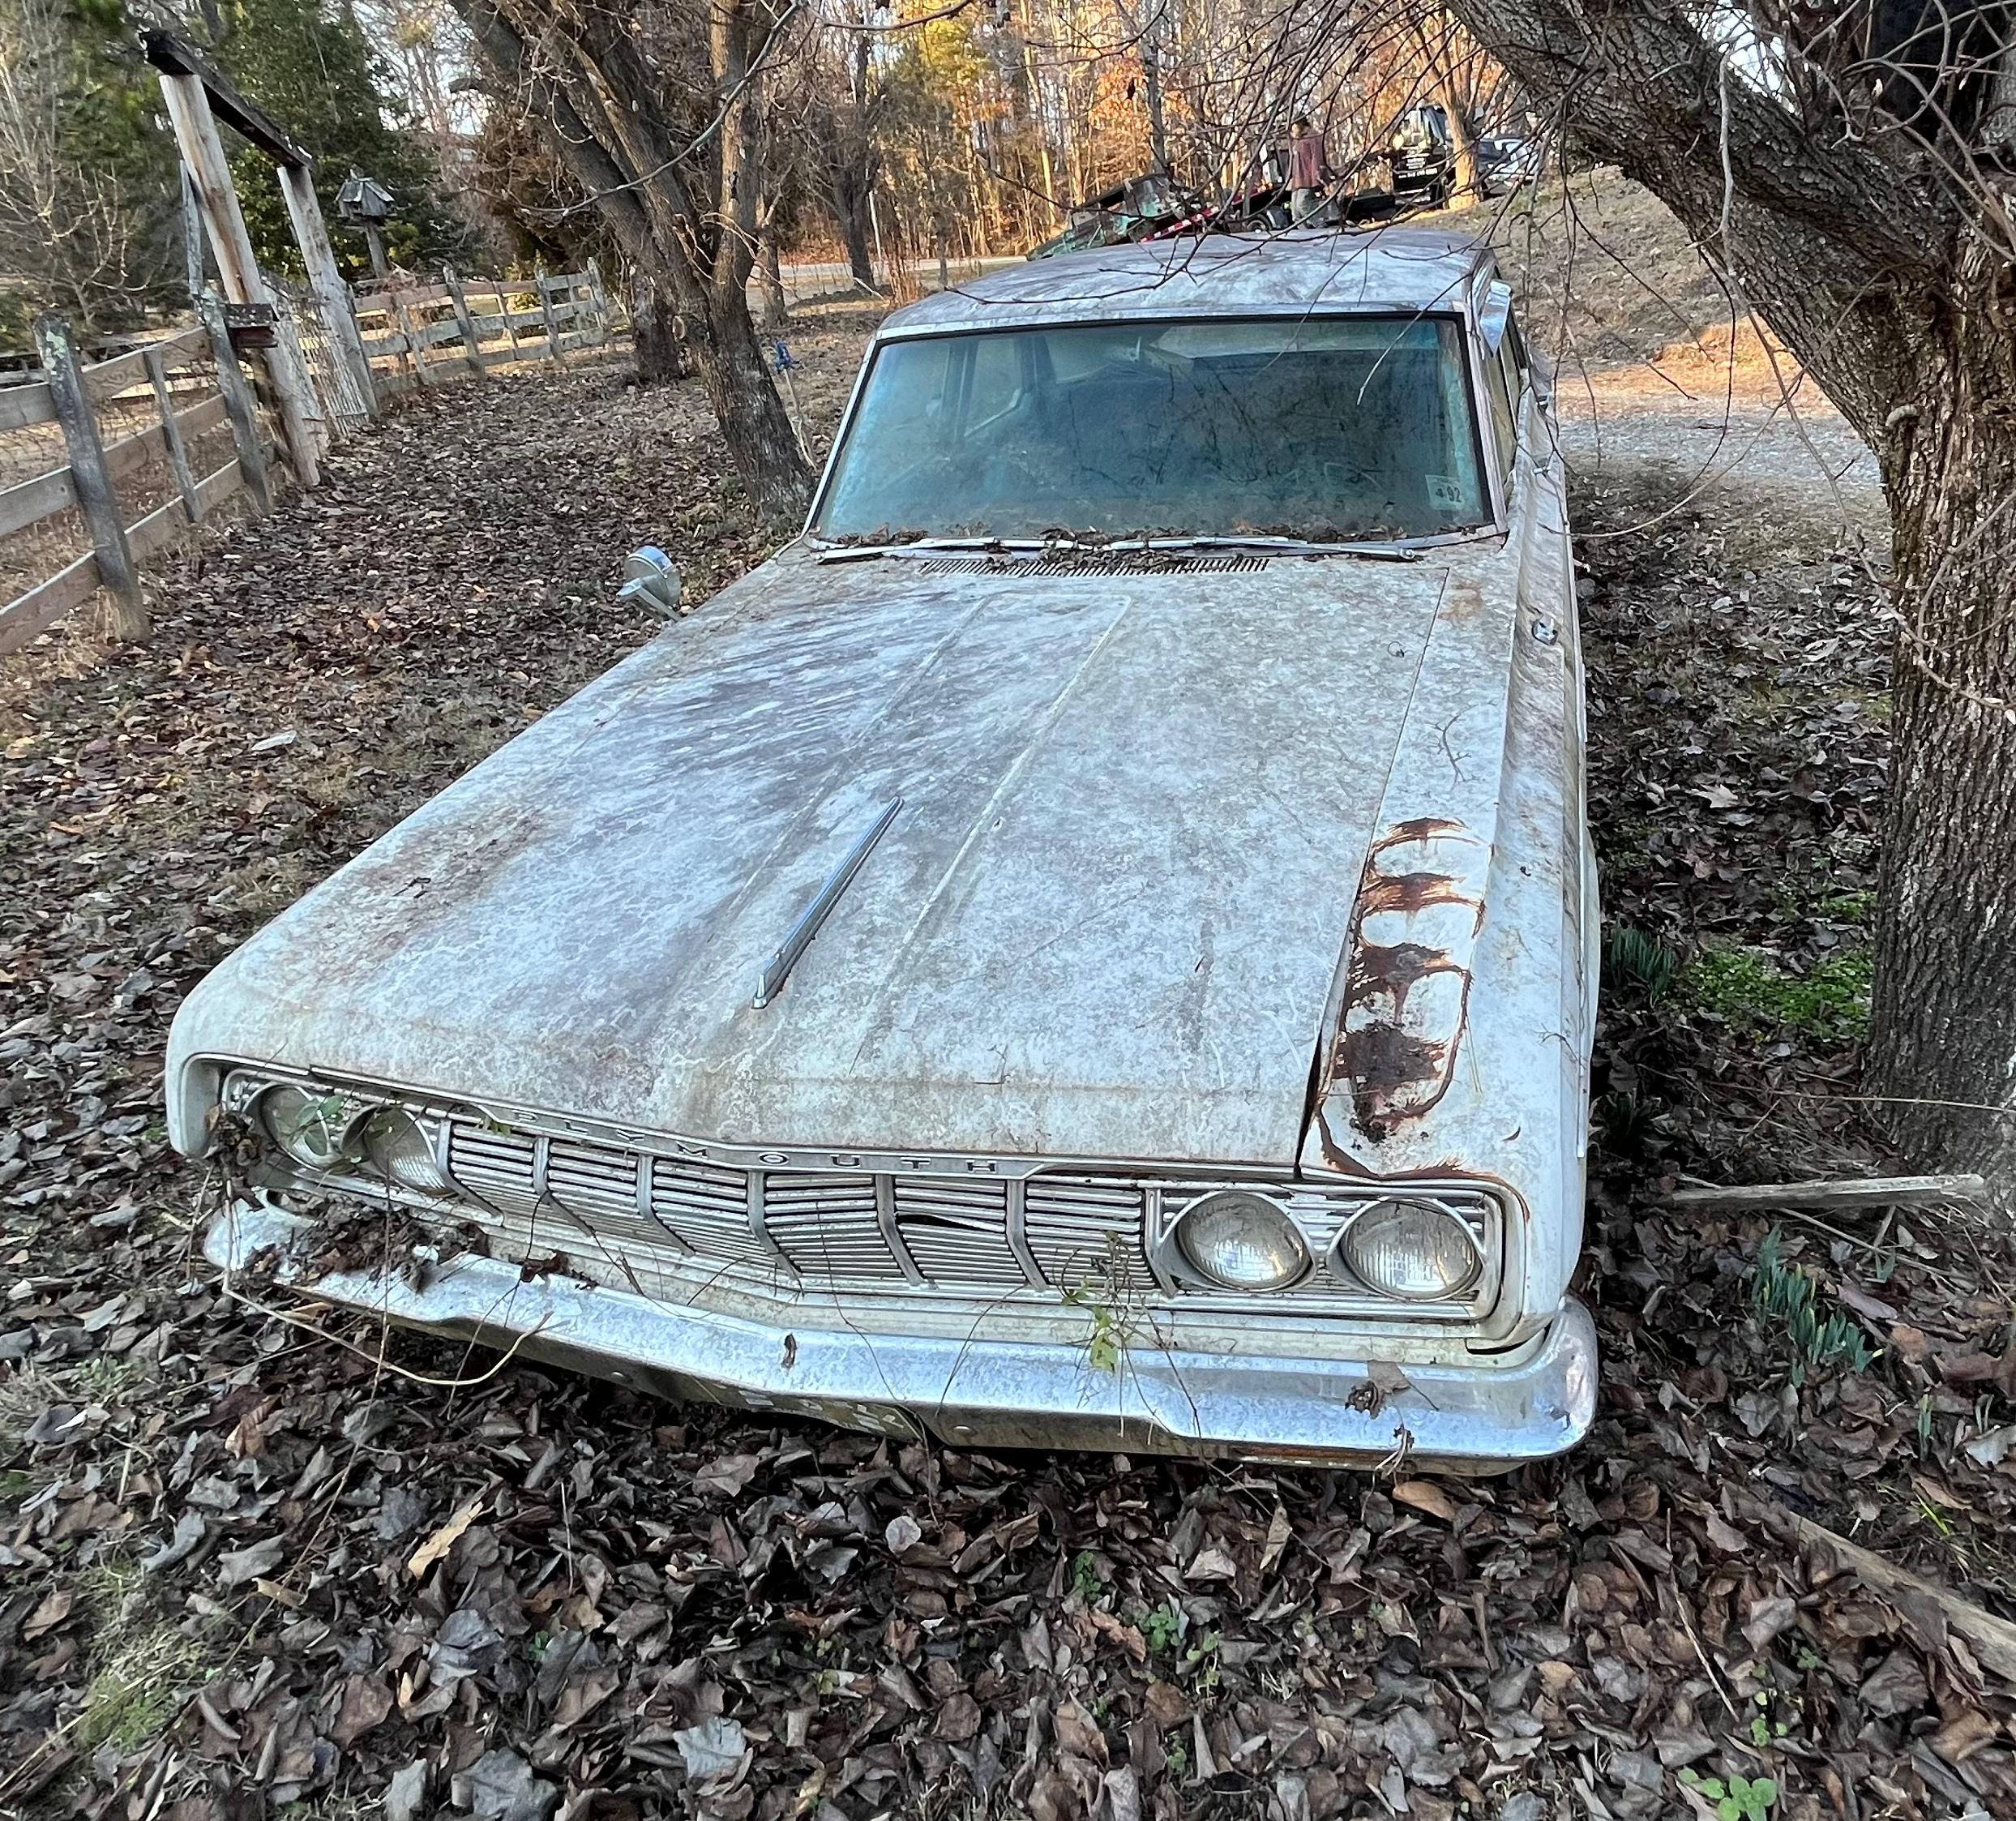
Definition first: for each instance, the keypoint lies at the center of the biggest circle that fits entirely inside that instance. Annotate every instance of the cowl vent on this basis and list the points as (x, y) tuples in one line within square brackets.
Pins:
[(1095, 562)]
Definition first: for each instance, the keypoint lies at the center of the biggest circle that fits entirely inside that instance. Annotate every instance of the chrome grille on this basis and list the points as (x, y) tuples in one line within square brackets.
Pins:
[(1086, 1234), (705, 1207), (496, 1166), (828, 1226), (976, 1235), (595, 1184), (957, 1231)]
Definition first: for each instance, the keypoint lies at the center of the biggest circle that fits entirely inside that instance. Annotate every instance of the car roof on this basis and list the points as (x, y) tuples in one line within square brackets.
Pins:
[(1229, 274)]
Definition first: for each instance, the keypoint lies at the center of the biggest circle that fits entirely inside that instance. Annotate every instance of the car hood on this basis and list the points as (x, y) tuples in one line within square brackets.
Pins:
[(1104, 923)]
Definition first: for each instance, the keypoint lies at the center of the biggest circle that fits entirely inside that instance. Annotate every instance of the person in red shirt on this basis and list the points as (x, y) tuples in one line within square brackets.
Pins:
[(1308, 169)]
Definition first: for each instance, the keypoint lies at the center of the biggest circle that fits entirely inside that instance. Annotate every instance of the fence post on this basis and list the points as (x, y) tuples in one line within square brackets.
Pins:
[(237, 402), (600, 297), (545, 310), (463, 320), (503, 306), (171, 434), (90, 479), (325, 281), (411, 330), (202, 148)]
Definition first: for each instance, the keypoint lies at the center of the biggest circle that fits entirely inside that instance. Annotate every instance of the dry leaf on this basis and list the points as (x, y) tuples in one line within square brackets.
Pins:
[(1425, 1495), (444, 1540)]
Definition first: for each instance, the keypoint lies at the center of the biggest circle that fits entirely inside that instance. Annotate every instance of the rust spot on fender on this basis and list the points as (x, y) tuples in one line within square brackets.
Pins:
[(1399, 1058), (1409, 892), (1420, 829)]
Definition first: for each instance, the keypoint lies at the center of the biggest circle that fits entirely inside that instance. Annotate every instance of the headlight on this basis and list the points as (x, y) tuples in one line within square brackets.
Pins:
[(1242, 1241), (1413, 1250), (401, 1150), (312, 1128)]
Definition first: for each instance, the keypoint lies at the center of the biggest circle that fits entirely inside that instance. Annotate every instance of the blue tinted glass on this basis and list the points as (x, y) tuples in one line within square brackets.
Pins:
[(1326, 428)]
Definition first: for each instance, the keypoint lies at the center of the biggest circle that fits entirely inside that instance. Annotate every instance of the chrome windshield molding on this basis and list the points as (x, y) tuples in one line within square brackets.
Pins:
[(1377, 551), (776, 969)]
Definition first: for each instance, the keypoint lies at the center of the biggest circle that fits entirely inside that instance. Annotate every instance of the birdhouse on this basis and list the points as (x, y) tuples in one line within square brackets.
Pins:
[(363, 198)]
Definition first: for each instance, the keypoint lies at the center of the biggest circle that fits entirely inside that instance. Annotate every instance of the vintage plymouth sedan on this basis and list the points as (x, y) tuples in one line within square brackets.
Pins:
[(1091, 945)]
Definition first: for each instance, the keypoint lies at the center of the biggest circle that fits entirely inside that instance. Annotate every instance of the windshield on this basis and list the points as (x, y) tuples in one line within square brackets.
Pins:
[(1331, 428)]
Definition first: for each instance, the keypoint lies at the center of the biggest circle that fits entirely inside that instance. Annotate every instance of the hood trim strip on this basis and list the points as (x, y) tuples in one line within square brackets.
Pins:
[(770, 982)]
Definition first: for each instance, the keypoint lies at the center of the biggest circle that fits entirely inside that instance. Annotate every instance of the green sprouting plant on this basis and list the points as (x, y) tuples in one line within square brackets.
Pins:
[(1105, 1293), (1176, 1756), (1637, 958), (1784, 1293), (1161, 1625), (325, 1126), (1626, 1120), (1203, 1659), (1742, 1798), (1830, 1001), (1085, 1576)]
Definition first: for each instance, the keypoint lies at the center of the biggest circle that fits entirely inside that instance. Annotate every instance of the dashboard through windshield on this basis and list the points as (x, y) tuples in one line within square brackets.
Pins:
[(1330, 429)]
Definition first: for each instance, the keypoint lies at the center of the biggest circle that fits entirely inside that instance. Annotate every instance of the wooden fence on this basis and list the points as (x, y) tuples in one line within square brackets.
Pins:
[(102, 464), (426, 334)]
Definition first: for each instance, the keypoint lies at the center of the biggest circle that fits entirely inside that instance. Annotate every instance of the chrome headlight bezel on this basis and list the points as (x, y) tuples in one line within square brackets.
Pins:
[(314, 1128), (1324, 1212), (1346, 1258), (346, 1157), (1298, 1258)]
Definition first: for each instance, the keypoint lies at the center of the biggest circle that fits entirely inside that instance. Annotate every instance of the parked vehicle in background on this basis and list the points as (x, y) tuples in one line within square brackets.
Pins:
[(1423, 158), (1093, 945), (1504, 163), (1151, 206)]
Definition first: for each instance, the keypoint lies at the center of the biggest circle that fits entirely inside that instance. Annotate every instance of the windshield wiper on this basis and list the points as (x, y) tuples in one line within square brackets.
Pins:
[(1292, 546), (917, 546)]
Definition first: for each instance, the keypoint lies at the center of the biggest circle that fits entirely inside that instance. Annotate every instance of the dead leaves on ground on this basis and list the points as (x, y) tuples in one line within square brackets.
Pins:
[(244, 1570)]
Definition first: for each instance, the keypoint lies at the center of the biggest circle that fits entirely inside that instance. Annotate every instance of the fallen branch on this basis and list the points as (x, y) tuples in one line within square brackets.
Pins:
[(1863, 1192), (1993, 1639)]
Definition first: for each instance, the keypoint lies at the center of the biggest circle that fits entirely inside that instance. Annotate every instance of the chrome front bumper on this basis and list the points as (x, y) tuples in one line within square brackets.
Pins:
[(1459, 1415)]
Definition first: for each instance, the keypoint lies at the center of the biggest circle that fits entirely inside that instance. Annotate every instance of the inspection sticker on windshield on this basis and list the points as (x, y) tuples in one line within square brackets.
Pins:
[(1445, 495)]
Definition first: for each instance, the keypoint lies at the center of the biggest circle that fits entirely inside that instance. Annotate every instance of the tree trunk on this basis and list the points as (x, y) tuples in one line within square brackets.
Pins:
[(695, 245), (770, 284), (1943, 1025), (850, 215), (1462, 140), (657, 334), (1898, 301), (752, 417), (1151, 85)]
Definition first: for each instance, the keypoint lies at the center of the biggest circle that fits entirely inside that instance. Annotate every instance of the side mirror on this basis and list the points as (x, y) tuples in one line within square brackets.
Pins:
[(652, 577)]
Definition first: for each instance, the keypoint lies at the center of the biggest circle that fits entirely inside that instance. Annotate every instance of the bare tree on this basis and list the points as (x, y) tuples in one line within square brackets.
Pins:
[(657, 113), (1849, 169), (847, 115), (70, 238)]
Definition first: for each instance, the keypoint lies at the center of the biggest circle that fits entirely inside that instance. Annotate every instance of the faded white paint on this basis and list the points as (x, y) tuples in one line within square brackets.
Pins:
[(1161, 834)]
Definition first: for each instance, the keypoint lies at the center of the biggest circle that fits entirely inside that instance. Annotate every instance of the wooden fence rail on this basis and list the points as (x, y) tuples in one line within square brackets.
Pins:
[(424, 335), (159, 413), (190, 386)]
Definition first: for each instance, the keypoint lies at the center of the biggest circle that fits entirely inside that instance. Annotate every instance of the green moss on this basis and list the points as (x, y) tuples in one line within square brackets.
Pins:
[(144, 1666), (1858, 908), (136, 1696), (1748, 987)]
